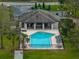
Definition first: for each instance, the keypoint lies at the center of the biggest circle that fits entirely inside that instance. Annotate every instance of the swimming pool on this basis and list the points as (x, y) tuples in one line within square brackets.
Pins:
[(41, 40)]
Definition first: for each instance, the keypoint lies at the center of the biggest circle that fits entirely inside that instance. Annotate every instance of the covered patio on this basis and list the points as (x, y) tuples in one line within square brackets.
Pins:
[(38, 26), (39, 19)]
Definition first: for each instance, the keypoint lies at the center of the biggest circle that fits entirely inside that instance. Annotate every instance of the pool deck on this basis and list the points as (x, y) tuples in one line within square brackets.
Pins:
[(43, 48), (29, 32), (53, 46)]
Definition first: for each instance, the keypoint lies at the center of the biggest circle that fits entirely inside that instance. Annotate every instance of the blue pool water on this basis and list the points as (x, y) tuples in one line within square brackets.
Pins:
[(40, 40)]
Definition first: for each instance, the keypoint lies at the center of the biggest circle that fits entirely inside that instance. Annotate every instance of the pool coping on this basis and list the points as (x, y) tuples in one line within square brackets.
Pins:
[(43, 48)]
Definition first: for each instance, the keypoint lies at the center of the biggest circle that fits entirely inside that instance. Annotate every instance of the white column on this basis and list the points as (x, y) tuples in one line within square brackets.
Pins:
[(52, 26), (34, 26), (57, 25), (25, 26), (20, 24), (43, 26)]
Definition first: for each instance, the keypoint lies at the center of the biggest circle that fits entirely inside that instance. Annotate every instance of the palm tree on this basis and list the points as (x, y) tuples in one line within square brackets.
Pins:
[(25, 36)]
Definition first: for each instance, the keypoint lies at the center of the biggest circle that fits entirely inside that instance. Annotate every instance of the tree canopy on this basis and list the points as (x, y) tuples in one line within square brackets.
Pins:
[(65, 26)]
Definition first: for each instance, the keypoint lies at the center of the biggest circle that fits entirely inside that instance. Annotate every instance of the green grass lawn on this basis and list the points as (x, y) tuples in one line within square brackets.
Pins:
[(7, 51), (69, 52), (55, 7)]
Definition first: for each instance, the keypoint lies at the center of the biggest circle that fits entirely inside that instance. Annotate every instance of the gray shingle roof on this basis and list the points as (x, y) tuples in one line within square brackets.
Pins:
[(38, 16), (20, 9)]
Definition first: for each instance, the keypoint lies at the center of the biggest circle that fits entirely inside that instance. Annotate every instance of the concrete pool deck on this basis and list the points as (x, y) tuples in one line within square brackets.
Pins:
[(30, 32), (53, 40), (28, 48), (53, 46)]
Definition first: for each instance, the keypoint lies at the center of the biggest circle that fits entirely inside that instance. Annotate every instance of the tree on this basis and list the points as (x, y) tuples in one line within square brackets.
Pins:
[(61, 5), (72, 6), (39, 5), (36, 5), (73, 36), (13, 27), (61, 1), (24, 36), (4, 23), (49, 7), (43, 5), (2, 46), (65, 26)]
